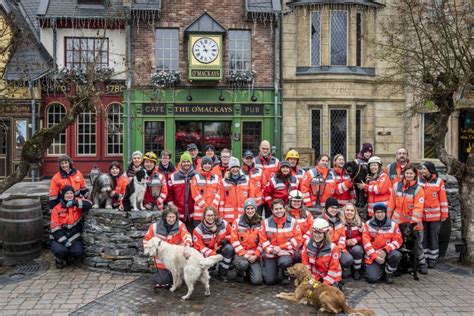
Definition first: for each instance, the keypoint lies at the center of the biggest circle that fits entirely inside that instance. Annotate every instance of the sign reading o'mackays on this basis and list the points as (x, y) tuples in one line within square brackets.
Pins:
[(215, 109)]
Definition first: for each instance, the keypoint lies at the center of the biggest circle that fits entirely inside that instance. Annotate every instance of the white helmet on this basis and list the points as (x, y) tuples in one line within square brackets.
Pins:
[(375, 159), (295, 195), (320, 224)]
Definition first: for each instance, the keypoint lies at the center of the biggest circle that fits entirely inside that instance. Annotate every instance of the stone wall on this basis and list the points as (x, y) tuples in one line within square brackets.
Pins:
[(114, 240), (452, 189)]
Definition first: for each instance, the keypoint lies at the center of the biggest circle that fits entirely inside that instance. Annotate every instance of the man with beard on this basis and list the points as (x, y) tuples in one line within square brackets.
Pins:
[(395, 169)]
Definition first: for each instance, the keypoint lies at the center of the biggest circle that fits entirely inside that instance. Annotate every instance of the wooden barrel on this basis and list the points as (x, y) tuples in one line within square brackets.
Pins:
[(21, 229), (444, 236)]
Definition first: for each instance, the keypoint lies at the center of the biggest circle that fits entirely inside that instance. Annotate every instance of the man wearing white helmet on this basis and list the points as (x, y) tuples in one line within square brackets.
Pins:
[(321, 256), (378, 185)]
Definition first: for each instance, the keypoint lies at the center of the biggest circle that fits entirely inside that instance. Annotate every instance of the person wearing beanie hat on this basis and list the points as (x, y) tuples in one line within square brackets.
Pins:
[(66, 226), (236, 189), (135, 164), (435, 210), (244, 237), (67, 175), (280, 185), (179, 190), (330, 202), (119, 184), (206, 161), (364, 154), (381, 239)]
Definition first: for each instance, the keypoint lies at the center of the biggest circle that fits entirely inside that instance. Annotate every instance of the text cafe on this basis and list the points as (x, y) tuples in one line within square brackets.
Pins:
[(226, 118)]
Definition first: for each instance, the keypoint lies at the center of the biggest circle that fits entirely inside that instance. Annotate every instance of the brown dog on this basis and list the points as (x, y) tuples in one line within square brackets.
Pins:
[(325, 298)]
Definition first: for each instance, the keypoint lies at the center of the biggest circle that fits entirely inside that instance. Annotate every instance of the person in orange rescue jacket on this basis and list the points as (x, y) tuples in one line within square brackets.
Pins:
[(66, 226), (67, 175), (314, 187), (395, 169), (293, 157), (340, 182), (381, 239), (435, 210), (256, 178), (212, 236), (303, 217), (119, 183), (280, 185), (321, 256), (157, 188), (279, 237), (244, 239), (173, 231), (406, 206)]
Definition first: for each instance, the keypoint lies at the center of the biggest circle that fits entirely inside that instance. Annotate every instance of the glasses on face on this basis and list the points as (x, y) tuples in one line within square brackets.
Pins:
[(209, 215), (225, 157)]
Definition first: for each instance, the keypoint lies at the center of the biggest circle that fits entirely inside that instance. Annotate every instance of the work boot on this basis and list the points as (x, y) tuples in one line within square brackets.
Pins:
[(431, 264), (60, 263), (240, 277), (423, 269), (356, 274), (389, 278), (222, 276)]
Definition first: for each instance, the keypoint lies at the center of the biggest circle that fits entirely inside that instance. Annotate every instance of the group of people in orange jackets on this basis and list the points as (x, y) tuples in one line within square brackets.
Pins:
[(263, 215)]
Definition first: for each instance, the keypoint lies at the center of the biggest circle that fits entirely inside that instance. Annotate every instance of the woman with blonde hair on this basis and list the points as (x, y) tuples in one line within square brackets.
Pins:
[(353, 231)]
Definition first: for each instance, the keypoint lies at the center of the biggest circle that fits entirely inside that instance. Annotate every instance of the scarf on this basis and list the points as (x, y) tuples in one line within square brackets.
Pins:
[(211, 227)]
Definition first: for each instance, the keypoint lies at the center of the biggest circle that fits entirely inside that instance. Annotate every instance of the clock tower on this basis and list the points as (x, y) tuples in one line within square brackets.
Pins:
[(205, 49)]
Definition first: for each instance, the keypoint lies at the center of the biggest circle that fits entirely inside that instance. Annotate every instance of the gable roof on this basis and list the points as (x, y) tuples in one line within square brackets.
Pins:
[(205, 24), (72, 9)]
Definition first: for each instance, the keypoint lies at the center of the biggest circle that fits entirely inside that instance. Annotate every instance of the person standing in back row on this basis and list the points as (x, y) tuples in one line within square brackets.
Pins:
[(265, 161), (395, 169)]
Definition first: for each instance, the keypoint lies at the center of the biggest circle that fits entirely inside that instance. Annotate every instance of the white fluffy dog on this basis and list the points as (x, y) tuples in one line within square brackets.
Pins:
[(184, 263)]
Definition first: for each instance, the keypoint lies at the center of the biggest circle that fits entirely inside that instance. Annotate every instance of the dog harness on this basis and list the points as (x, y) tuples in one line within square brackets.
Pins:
[(313, 283)]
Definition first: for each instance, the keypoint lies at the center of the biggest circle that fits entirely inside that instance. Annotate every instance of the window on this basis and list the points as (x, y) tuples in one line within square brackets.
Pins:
[(82, 51), (252, 136), (114, 129), (240, 52), (359, 40), (316, 39), (86, 134), (154, 137), (167, 49), (338, 132), (316, 131), (339, 38), (55, 114), (429, 126)]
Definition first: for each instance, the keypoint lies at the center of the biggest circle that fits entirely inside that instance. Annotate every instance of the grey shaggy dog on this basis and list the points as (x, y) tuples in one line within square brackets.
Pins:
[(101, 191)]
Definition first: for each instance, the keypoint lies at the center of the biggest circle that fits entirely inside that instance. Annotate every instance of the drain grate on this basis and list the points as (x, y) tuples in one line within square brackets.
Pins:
[(24, 271)]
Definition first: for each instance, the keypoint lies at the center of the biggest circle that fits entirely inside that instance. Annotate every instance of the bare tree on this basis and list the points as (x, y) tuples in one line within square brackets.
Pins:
[(427, 46)]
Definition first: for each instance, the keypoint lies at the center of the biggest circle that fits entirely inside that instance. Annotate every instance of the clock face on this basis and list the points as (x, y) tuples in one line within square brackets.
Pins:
[(205, 50)]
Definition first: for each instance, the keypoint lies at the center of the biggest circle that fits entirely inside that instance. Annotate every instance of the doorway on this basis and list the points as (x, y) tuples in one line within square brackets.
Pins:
[(5, 145)]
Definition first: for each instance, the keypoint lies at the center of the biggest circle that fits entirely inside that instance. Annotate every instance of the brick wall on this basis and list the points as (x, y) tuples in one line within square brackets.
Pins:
[(180, 14)]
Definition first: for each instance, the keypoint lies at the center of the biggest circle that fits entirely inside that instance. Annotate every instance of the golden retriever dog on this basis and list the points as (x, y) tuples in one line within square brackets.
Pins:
[(184, 263), (325, 298)]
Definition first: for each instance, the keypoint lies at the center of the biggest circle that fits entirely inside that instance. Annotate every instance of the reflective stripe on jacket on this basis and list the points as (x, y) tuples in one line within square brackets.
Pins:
[(245, 237), (205, 190), (74, 178), (378, 190), (324, 262), (179, 193), (406, 204), (66, 222), (314, 187), (286, 235), (270, 165), (436, 202), (375, 238), (207, 242), (233, 196), (279, 187)]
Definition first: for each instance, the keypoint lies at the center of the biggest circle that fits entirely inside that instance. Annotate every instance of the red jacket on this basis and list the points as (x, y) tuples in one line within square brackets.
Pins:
[(299, 174), (436, 202), (283, 232), (314, 187), (279, 187), (205, 190), (406, 203), (375, 238), (178, 235), (270, 165), (159, 200), (179, 193), (353, 231), (245, 237), (233, 196), (305, 222), (378, 190), (120, 188), (323, 262), (340, 185), (337, 231), (257, 182), (207, 242), (66, 222), (61, 179)]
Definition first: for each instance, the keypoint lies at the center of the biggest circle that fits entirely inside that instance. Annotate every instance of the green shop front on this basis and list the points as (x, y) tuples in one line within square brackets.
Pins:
[(169, 119)]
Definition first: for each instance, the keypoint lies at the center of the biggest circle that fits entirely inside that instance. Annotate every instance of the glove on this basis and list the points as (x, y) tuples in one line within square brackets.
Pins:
[(72, 203)]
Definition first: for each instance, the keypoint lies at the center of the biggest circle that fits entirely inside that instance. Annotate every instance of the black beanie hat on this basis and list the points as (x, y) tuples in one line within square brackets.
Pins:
[(380, 207), (431, 167), (206, 160), (331, 201), (66, 188)]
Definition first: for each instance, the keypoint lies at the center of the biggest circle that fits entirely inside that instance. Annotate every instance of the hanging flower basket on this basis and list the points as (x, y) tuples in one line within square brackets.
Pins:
[(165, 78), (241, 77), (80, 75)]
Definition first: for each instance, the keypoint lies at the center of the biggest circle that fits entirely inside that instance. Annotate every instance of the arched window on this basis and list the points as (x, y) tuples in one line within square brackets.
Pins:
[(54, 114), (86, 134), (114, 129)]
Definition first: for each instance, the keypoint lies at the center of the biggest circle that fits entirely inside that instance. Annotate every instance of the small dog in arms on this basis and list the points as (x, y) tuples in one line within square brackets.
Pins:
[(135, 192), (184, 263)]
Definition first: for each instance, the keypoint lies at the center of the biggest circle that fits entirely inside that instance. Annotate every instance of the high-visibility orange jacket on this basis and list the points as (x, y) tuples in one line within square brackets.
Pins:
[(205, 189), (179, 193), (207, 242), (299, 174), (279, 187), (74, 178), (233, 195), (337, 231), (160, 180), (340, 184), (304, 218), (270, 165), (375, 238), (394, 172), (406, 203), (378, 190), (436, 202), (257, 182), (314, 187), (120, 187), (178, 235), (245, 237), (66, 222), (323, 262), (283, 232)]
